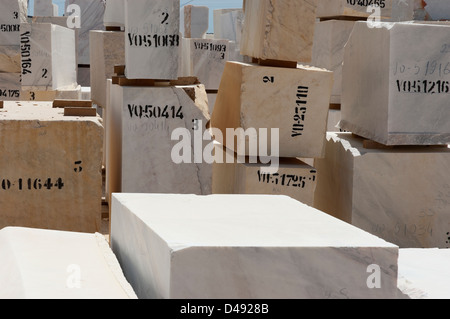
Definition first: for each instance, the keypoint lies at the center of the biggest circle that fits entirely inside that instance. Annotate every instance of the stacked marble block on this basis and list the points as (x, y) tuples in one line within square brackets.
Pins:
[(248, 247), (91, 18), (333, 28), (276, 108), (48, 264), (391, 175), (45, 8), (12, 15), (51, 173)]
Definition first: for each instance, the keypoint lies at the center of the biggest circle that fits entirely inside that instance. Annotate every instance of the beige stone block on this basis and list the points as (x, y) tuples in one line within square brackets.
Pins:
[(10, 59), (107, 49), (399, 194), (279, 30), (293, 101), (51, 168), (41, 96), (246, 176), (10, 86)]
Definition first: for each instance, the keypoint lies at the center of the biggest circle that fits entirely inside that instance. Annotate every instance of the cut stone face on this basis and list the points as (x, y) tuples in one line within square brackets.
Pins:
[(228, 24), (13, 13), (247, 177), (148, 118), (385, 9), (293, 101), (196, 21), (107, 50), (400, 195), (205, 59), (423, 273), (432, 10), (409, 103), (330, 38), (92, 14), (152, 39), (51, 172), (114, 13), (272, 28), (10, 59), (48, 57), (10, 86), (43, 8), (248, 247), (44, 264)]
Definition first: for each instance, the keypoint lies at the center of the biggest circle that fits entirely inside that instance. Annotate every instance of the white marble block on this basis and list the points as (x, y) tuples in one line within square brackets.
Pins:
[(409, 103), (244, 247), (401, 195), (114, 13), (48, 57), (12, 14), (279, 30), (432, 10), (43, 8), (152, 39), (293, 178), (92, 15), (10, 61), (330, 38), (43, 264), (107, 50), (400, 10), (196, 21), (10, 87), (148, 117), (206, 60), (334, 117), (293, 101), (228, 24), (424, 273)]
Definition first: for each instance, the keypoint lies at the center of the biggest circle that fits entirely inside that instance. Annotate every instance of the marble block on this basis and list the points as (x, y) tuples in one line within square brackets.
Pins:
[(334, 117), (114, 13), (424, 273), (432, 10), (92, 15), (10, 61), (279, 30), (107, 50), (401, 195), (196, 21), (246, 177), (48, 57), (211, 102), (330, 38), (294, 101), (10, 86), (140, 154), (13, 13), (408, 104), (40, 96), (389, 9), (44, 264), (51, 173), (228, 24), (152, 39), (247, 247), (206, 60), (84, 75), (43, 8)]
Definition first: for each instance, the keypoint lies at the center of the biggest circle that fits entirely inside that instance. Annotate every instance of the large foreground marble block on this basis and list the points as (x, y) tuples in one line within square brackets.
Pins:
[(92, 14), (51, 168), (279, 30), (424, 273), (107, 50), (48, 57), (10, 86), (400, 10), (293, 178), (330, 38), (205, 59), (141, 122), (409, 103), (196, 21), (12, 14), (246, 247), (114, 13), (401, 195), (44, 264), (152, 39), (293, 101)]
